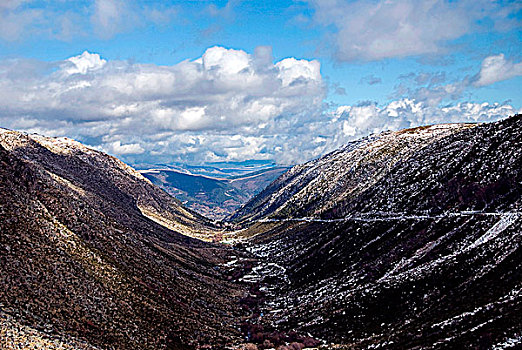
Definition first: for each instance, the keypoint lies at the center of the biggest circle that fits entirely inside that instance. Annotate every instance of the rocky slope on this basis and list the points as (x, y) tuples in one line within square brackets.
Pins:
[(415, 243), (74, 163), (402, 240), (316, 186), (84, 257)]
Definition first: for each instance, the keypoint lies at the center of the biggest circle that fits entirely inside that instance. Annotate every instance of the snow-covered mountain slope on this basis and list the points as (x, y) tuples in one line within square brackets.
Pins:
[(312, 188), (425, 255)]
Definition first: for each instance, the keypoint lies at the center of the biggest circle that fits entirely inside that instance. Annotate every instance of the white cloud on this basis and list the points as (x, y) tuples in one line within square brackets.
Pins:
[(221, 92), (369, 30), (497, 68), (359, 121), (222, 89), (292, 71), (84, 63), (224, 61), (226, 105), (117, 148)]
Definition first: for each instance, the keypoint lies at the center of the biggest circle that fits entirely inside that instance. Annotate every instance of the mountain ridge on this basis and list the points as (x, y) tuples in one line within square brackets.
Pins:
[(408, 239), (426, 257), (328, 179), (80, 258)]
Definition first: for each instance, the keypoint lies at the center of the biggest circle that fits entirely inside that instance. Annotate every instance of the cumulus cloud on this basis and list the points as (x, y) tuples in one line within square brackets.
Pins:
[(497, 68), (117, 148), (225, 105), (351, 122), (369, 30), (224, 91), (361, 120), (83, 63)]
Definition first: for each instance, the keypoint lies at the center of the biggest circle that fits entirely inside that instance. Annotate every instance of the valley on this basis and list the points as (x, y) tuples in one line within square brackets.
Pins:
[(214, 197), (400, 240)]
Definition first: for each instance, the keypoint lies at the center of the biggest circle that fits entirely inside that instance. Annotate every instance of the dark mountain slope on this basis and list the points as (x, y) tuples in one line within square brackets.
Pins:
[(427, 256), (316, 186), (79, 259), (476, 169)]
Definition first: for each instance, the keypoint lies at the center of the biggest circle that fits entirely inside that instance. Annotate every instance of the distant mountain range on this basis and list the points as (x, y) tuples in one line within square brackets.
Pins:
[(220, 170), (214, 197), (402, 240)]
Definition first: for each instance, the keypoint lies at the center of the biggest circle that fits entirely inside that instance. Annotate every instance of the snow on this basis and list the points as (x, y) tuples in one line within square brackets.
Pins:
[(512, 342), (506, 221)]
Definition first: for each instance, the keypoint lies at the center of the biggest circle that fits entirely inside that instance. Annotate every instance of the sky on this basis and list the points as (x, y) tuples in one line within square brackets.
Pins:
[(197, 82)]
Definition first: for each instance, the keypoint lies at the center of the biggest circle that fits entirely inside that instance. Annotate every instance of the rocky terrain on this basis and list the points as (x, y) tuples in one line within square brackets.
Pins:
[(426, 254), (403, 240), (316, 186), (211, 196), (91, 251)]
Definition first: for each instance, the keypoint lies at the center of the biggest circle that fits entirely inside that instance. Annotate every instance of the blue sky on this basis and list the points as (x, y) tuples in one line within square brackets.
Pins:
[(202, 81)]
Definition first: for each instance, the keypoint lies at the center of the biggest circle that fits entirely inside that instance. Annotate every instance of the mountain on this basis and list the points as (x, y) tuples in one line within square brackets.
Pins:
[(220, 170), (403, 240), (316, 186), (92, 255), (213, 197)]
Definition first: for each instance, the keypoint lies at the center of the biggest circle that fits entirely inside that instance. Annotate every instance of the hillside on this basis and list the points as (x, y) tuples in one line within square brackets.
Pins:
[(84, 257), (402, 240), (311, 188), (423, 251)]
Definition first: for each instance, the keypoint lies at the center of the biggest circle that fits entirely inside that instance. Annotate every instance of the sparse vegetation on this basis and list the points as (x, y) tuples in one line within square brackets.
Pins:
[(404, 240)]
